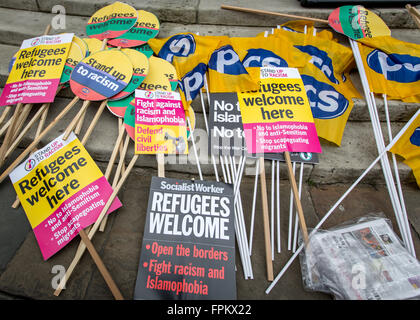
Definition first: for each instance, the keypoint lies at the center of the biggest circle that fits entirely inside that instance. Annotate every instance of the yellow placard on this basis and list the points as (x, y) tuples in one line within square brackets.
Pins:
[(277, 100), (55, 180)]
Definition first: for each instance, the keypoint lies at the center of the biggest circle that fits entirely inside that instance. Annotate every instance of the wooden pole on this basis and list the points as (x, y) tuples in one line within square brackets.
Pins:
[(117, 175), (19, 138), (266, 223), (5, 113), (10, 132), (415, 14), (101, 266), (93, 230), (227, 7), (36, 141), (94, 122), (76, 119), (296, 198), (160, 158)]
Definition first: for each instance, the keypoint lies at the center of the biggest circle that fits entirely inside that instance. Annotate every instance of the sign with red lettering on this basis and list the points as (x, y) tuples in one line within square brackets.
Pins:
[(188, 249)]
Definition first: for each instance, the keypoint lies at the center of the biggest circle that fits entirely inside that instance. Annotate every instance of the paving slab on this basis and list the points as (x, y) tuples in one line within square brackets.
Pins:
[(27, 275), (365, 200), (183, 11)]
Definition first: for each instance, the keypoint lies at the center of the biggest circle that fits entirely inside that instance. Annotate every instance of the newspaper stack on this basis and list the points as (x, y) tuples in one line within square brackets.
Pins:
[(362, 261)]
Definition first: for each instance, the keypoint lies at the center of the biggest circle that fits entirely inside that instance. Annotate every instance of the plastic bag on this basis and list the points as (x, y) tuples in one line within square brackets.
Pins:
[(362, 260)]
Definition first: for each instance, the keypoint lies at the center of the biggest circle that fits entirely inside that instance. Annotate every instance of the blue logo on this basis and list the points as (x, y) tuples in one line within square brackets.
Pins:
[(193, 81), (321, 60), (325, 101), (181, 45), (226, 60), (395, 67), (263, 58), (415, 137)]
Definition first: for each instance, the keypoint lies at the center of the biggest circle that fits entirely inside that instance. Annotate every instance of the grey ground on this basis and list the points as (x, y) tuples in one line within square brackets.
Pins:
[(24, 274)]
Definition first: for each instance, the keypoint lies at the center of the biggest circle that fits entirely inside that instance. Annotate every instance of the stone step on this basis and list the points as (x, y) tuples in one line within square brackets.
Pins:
[(337, 164), (17, 25), (12, 34), (209, 12)]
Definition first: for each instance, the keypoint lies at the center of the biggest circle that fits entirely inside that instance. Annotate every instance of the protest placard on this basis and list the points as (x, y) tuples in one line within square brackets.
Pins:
[(62, 192), (278, 117), (188, 249), (146, 27), (227, 135), (37, 70), (111, 21), (160, 125), (101, 75)]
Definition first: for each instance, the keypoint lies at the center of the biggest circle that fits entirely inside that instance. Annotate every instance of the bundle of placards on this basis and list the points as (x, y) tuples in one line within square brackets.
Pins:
[(270, 97)]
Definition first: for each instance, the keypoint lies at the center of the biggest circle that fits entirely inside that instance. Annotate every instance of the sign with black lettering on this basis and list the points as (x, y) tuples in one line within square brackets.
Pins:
[(188, 249), (227, 134)]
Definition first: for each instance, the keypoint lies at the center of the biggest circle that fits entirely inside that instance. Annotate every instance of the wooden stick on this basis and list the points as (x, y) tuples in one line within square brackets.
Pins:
[(75, 120), (415, 14), (114, 153), (227, 7), (5, 113), (92, 232), (101, 266), (21, 121), (121, 124), (296, 198), (43, 119), (94, 122), (16, 142), (80, 123), (117, 175), (36, 141), (10, 132), (269, 262), (6, 125), (160, 158)]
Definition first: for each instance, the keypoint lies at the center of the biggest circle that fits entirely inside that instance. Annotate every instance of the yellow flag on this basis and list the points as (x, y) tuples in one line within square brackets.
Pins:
[(259, 52), (408, 147), (330, 103), (227, 73), (392, 66), (332, 58), (190, 55)]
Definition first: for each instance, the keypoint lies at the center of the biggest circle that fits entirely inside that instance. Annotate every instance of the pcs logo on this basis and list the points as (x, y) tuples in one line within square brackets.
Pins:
[(226, 60), (321, 60), (193, 81), (263, 58), (415, 137), (325, 101), (181, 45), (395, 67)]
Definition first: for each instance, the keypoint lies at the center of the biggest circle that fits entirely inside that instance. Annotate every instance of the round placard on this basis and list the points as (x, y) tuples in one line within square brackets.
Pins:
[(140, 65), (156, 78), (101, 75), (357, 22), (146, 27), (145, 49), (168, 70), (74, 57), (111, 21), (94, 45), (117, 107), (82, 44), (130, 120)]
